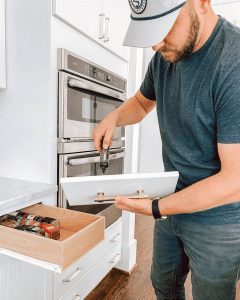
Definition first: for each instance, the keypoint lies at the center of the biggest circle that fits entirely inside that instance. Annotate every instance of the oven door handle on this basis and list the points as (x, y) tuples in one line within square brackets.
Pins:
[(87, 160), (87, 85)]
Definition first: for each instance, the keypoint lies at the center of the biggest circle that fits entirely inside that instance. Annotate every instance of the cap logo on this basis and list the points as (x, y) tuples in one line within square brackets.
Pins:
[(138, 6)]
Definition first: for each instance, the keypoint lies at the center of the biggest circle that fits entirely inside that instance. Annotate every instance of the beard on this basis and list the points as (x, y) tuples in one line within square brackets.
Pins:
[(187, 49)]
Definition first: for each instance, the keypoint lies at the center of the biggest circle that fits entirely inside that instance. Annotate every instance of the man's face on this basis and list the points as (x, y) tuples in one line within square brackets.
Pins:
[(181, 39)]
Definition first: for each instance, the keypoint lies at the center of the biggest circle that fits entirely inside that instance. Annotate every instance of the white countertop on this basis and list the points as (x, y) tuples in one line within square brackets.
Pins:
[(16, 194)]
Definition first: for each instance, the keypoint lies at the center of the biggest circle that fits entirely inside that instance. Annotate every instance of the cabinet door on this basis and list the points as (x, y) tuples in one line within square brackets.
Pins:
[(19, 280), (230, 11), (82, 15), (118, 13)]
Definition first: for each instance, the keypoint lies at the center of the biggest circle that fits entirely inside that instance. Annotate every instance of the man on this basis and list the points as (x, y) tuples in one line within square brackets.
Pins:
[(194, 82)]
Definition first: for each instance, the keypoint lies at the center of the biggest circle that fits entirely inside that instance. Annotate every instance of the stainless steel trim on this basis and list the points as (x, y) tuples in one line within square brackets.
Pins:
[(61, 96), (71, 146), (92, 86), (63, 65), (86, 160)]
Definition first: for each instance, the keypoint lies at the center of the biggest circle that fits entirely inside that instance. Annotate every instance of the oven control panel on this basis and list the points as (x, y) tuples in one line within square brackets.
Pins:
[(87, 69)]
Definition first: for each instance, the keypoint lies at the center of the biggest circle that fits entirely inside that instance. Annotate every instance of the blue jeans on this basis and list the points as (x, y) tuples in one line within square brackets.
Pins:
[(211, 252)]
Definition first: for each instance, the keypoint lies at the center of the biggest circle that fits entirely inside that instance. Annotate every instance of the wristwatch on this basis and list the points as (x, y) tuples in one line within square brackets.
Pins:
[(155, 210)]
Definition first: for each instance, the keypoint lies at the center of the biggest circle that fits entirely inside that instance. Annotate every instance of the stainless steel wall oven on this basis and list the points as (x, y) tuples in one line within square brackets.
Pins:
[(87, 93)]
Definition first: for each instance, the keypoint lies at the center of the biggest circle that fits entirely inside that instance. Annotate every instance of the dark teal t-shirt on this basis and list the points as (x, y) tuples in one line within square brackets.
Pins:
[(198, 106)]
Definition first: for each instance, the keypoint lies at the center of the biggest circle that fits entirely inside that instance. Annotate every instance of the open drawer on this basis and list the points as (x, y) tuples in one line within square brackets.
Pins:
[(80, 232)]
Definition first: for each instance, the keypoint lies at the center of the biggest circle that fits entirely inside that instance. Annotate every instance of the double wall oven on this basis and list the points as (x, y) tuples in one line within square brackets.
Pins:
[(87, 93)]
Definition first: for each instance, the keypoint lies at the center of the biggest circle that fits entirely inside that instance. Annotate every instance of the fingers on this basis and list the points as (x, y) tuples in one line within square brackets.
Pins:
[(124, 203), (142, 206), (98, 138), (102, 135), (102, 141), (107, 140)]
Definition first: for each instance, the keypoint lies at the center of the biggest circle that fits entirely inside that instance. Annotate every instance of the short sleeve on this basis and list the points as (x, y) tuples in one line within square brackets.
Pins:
[(228, 108), (147, 86)]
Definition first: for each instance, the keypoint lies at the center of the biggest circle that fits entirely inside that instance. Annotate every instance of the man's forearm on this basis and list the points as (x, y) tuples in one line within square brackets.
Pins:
[(213, 191), (130, 112)]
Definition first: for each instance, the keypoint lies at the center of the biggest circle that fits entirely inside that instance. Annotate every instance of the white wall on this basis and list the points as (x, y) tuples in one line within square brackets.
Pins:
[(24, 131)]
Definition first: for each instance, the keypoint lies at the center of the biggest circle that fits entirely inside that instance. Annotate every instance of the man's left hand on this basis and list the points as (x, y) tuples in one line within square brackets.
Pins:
[(142, 206)]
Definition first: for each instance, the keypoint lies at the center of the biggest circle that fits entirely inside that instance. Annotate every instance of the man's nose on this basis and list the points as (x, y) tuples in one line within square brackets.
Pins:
[(158, 46)]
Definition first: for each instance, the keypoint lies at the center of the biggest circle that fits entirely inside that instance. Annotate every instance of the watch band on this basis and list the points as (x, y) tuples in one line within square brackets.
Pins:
[(155, 210)]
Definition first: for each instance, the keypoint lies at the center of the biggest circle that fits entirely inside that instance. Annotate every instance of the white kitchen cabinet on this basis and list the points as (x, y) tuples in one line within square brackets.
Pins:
[(82, 288), (118, 13), (104, 21), (22, 280), (17, 277), (2, 46), (230, 11), (64, 282), (83, 15), (32, 91)]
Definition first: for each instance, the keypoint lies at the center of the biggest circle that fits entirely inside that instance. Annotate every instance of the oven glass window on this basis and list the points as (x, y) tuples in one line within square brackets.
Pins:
[(115, 167), (81, 170), (105, 106), (81, 106)]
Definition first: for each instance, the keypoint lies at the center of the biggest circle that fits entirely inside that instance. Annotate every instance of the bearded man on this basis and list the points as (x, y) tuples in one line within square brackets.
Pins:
[(193, 80)]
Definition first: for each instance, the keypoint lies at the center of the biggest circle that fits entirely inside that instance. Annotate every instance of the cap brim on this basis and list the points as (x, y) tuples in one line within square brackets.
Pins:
[(148, 33)]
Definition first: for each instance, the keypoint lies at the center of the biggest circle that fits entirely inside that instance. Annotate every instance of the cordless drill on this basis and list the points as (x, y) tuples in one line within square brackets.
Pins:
[(104, 159)]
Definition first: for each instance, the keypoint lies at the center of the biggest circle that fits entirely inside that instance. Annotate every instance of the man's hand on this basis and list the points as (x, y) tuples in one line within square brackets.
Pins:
[(130, 112), (104, 131), (142, 206)]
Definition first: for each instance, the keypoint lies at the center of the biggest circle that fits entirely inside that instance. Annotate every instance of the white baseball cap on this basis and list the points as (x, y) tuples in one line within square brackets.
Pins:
[(151, 20)]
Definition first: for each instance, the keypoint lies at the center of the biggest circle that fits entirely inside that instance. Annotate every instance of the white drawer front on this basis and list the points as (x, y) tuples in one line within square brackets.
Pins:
[(91, 279), (113, 234), (65, 280)]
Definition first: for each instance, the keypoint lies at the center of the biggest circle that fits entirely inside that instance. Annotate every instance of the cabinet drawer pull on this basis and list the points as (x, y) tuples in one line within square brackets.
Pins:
[(107, 30), (77, 297), (115, 259), (75, 274), (115, 238), (101, 26)]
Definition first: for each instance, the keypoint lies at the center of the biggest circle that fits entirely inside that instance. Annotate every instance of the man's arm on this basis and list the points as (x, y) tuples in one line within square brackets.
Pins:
[(219, 189), (133, 110), (130, 112)]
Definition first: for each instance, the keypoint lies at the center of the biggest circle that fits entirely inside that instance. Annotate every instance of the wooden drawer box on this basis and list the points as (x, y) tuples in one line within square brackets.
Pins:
[(80, 232)]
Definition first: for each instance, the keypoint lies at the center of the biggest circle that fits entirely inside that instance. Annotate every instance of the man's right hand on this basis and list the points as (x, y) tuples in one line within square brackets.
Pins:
[(130, 112), (104, 132)]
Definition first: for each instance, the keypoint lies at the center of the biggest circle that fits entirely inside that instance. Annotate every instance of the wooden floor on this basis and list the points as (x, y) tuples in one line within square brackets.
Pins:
[(118, 286)]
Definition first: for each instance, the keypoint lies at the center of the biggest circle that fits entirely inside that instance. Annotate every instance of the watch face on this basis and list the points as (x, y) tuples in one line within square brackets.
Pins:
[(138, 6)]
